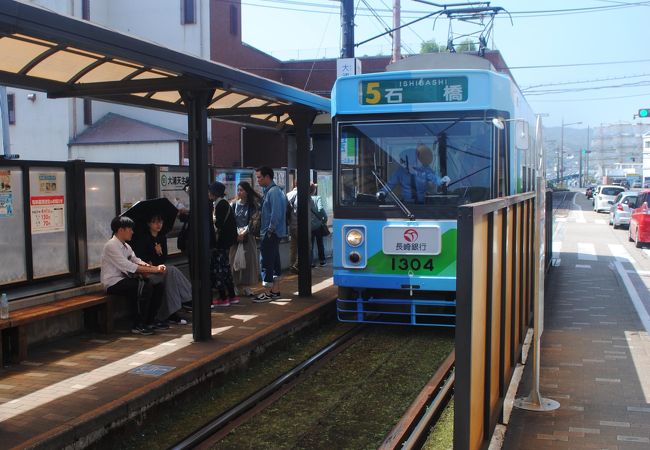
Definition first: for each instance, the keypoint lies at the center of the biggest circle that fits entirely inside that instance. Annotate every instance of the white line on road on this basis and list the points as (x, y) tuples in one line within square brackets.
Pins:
[(634, 296), (619, 252), (587, 251)]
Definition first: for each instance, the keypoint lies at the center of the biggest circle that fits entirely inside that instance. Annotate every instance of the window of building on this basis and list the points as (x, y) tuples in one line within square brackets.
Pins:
[(647, 144), (88, 111), (85, 9), (234, 22), (11, 108), (188, 11)]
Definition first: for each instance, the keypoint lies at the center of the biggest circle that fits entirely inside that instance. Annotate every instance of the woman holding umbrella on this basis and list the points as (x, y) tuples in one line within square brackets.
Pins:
[(150, 245)]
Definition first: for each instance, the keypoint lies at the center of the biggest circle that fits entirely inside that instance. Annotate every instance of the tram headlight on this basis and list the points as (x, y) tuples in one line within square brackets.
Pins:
[(354, 238)]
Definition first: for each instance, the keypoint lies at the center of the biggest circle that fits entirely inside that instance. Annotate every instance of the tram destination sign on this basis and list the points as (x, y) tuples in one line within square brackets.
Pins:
[(413, 90)]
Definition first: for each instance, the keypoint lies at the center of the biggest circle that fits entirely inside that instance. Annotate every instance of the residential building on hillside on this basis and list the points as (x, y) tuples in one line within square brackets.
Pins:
[(617, 150)]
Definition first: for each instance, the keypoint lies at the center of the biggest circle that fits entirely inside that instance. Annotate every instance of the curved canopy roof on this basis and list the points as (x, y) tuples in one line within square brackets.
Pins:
[(69, 57)]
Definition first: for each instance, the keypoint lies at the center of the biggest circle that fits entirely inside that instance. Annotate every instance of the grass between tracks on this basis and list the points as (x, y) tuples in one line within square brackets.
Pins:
[(351, 403), (442, 434), (356, 399)]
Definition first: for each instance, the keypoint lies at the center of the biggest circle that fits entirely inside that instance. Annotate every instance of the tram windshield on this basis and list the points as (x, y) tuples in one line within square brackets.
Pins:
[(443, 162)]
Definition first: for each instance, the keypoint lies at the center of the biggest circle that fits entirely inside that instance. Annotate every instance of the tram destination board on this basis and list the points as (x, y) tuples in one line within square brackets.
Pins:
[(413, 90)]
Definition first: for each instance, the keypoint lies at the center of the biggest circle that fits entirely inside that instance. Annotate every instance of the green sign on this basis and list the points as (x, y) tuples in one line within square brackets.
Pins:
[(413, 90)]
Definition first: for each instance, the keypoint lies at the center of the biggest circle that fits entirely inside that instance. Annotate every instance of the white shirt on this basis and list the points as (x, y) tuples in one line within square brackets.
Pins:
[(118, 262)]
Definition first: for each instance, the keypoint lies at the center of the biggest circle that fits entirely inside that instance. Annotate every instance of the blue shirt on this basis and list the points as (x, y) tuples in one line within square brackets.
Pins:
[(420, 177), (274, 209)]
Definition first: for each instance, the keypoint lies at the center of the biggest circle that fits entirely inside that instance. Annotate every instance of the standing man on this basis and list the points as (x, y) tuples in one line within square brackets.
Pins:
[(118, 275), (272, 229)]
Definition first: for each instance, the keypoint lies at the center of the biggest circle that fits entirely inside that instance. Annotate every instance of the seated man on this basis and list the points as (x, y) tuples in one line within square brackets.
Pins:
[(414, 176), (118, 275)]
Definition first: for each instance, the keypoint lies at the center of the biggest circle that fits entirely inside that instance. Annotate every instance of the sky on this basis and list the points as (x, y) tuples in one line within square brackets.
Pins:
[(602, 44)]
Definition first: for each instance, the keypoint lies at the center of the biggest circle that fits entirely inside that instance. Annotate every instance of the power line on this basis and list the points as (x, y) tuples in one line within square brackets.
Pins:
[(547, 66), (527, 88), (590, 99)]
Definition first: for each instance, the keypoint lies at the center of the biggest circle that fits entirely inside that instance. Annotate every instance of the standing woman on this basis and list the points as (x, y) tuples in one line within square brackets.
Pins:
[(225, 235), (247, 217)]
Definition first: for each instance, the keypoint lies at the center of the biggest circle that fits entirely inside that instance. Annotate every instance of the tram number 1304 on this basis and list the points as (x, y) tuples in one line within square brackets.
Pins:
[(414, 264)]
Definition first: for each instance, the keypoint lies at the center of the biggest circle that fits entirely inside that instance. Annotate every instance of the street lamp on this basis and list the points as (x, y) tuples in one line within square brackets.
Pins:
[(562, 146)]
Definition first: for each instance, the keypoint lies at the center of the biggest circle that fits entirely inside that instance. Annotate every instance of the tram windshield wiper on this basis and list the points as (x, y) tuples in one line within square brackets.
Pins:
[(409, 215)]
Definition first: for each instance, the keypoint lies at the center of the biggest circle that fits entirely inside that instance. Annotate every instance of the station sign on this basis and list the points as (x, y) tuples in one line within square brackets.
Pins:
[(413, 90)]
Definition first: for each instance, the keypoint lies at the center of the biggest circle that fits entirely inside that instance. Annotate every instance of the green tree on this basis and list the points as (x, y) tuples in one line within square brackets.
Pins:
[(430, 47), (466, 46)]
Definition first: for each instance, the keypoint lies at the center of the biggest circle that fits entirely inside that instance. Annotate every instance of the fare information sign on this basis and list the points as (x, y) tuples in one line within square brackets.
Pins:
[(413, 90)]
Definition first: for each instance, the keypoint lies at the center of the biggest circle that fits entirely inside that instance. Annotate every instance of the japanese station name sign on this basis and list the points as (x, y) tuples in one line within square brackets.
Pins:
[(413, 90)]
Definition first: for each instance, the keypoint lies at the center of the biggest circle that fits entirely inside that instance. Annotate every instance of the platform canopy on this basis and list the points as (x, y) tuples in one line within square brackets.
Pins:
[(68, 57)]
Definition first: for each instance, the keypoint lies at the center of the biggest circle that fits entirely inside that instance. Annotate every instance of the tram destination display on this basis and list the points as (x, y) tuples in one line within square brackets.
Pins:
[(413, 90)]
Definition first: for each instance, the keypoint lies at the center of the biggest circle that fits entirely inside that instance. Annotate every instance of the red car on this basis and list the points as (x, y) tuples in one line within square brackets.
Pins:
[(639, 231)]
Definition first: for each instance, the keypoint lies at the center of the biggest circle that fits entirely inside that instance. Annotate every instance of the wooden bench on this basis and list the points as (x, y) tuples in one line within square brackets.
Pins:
[(15, 327)]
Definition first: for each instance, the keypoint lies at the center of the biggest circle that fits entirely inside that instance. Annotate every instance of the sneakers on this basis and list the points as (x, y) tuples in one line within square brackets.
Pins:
[(266, 297), (177, 320), (187, 306), (233, 300), (138, 329), (161, 325), (294, 269), (220, 302), (323, 263)]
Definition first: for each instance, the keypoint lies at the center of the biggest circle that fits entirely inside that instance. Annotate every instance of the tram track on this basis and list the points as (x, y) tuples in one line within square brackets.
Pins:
[(410, 430), (217, 428)]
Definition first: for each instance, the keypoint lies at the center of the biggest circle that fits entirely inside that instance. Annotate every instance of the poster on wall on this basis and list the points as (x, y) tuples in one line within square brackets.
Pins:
[(6, 196), (171, 186), (231, 178), (47, 213), (47, 183)]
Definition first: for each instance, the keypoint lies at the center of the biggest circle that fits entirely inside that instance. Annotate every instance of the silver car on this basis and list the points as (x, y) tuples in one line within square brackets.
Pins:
[(605, 195), (619, 213)]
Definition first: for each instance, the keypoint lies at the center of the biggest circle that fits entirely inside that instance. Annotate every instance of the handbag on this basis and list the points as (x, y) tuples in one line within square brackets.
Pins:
[(239, 261), (324, 229), (181, 241)]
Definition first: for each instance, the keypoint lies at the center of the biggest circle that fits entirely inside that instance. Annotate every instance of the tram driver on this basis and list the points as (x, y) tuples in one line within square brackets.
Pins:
[(415, 176)]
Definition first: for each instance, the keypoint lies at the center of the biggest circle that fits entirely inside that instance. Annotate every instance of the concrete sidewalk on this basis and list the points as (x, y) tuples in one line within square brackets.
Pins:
[(595, 351)]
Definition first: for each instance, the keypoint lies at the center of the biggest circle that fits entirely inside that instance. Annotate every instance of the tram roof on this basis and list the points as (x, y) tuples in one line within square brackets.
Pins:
[(68, 57)]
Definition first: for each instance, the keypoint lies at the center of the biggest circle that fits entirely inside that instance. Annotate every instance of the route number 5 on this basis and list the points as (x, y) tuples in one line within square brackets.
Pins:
[(373, 94)]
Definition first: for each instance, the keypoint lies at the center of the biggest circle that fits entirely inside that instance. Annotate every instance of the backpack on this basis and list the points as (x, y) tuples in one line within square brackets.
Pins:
[(289, 212)]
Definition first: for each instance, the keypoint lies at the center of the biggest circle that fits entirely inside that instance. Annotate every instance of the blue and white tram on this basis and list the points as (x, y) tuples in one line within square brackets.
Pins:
[(395, 250)]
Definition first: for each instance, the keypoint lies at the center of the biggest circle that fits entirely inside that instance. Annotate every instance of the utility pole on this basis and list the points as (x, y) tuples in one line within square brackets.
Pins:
[(347, 29), (397, 42)]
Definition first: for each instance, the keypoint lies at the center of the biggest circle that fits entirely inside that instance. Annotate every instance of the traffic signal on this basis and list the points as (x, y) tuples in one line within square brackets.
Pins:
[(645, 112)]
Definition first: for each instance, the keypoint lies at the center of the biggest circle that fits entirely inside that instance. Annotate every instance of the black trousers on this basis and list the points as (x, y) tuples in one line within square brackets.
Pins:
[(144, 305)]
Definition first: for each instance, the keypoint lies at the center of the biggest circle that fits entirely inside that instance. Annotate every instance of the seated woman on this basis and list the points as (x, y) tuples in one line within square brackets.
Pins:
[(151, 246)]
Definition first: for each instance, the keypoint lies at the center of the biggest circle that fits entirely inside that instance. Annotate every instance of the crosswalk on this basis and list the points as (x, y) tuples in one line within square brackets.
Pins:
[(586, 251)]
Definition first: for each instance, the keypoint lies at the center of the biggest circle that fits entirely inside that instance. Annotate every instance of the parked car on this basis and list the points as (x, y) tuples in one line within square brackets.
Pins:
[(605, 195), (639, 230), (619, 213), (636, 185)]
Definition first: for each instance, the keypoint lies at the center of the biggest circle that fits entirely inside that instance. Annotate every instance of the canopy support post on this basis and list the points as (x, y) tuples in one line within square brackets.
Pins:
[(199, 242), (302, 120)]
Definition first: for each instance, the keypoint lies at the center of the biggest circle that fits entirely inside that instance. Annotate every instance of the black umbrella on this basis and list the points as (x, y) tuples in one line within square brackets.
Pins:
[(144, 210)]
